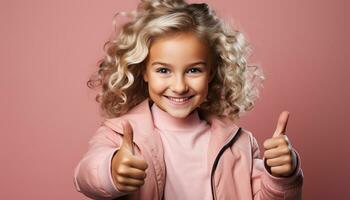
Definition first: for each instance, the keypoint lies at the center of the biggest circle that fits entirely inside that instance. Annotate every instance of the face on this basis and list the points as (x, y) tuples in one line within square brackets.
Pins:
[(177, 72)]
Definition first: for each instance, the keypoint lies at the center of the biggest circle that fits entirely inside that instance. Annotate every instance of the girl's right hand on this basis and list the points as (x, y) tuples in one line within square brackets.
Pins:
[(128, 170)]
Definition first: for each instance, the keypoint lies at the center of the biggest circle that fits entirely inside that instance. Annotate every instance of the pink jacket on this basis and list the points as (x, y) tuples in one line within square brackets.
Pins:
[(237, 171)]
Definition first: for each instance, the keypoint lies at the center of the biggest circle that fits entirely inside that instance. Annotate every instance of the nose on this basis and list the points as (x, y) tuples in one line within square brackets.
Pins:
[(179, 85)]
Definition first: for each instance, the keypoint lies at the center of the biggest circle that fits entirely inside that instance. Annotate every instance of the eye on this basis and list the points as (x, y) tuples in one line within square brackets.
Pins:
[(194, 70), (162, 70)]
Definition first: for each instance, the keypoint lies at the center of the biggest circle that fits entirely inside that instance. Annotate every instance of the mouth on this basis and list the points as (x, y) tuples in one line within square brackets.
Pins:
[(179, 100)]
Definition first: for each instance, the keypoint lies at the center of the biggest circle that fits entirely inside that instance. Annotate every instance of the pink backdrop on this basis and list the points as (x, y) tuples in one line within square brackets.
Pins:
[(49, 49)]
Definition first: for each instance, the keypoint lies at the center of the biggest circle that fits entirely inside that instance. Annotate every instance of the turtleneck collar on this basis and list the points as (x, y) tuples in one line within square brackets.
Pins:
[(164, 121)]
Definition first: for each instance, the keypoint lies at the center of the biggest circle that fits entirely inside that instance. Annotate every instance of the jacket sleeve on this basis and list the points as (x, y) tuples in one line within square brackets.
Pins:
[(92, 175), (268, 187)]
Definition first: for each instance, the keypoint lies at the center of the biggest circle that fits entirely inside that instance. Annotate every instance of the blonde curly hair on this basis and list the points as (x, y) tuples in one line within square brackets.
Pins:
[(235, 85)]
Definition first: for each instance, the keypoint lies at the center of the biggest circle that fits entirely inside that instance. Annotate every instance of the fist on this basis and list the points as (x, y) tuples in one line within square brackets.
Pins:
[(278, 150), (128, 170)]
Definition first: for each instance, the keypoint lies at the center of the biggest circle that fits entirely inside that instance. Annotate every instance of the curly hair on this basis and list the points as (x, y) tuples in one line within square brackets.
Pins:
[(235, 85)]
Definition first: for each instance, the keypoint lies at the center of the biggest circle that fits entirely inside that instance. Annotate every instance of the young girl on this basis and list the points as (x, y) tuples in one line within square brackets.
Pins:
[(173, 81)]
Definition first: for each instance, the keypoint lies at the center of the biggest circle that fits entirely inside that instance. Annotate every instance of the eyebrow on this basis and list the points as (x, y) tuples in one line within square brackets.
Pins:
[(167, 64)]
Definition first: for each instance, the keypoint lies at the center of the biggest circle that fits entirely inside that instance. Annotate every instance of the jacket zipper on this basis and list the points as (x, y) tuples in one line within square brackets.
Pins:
[(216, 161)]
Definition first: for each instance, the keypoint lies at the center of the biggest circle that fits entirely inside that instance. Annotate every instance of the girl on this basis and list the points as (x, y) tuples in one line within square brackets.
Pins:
[(173, 82)]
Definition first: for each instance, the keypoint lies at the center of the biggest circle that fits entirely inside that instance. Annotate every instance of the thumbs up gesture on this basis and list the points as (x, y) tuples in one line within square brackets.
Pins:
[(278, 150), (128, 170)]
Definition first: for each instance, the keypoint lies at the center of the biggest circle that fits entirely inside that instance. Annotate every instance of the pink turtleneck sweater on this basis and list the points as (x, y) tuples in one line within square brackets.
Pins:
[(185, 143)]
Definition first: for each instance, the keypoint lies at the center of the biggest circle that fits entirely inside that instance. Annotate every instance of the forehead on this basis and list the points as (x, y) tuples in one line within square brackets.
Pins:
[(179, 48)]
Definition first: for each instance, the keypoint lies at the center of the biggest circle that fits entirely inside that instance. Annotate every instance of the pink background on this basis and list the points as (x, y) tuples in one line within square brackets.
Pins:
[(49, 49)]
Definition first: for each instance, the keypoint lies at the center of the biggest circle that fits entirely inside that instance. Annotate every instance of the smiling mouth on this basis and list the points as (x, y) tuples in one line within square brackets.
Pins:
[(178, 99)]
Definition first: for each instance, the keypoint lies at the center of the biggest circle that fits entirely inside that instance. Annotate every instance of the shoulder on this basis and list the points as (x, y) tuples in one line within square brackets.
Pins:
[(139, 117), (225, 125), (228, 123), (245, 140), (248, 135)]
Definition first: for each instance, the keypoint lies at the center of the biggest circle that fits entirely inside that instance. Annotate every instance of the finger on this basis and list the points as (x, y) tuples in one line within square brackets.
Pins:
[(138, 163), (281, 124), (276, 142), (271, 143), (128, 136), (131, 172), (277, 152), (280, 170), (281, 160), (126, 181), (127, 189)]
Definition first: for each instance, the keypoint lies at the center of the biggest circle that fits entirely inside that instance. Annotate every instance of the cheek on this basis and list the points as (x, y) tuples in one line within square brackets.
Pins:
[(200, 86), (156, 85)]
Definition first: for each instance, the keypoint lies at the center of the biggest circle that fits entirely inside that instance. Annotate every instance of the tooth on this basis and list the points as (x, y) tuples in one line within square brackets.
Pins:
[(178, 99)]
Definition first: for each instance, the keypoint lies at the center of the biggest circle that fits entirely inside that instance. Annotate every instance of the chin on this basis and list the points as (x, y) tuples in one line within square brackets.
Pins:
[(179, 115)]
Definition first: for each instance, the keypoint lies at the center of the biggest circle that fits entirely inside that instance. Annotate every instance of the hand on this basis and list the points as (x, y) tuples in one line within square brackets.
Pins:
[(128, 170), (278, 150)]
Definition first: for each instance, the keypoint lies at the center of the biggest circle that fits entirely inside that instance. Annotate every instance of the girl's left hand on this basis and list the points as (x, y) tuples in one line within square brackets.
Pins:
[(279, 154)]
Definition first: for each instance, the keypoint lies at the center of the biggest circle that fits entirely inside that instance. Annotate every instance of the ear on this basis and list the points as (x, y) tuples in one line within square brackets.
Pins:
[(144, 69), (213, 68), (145, 76), (212, 75)]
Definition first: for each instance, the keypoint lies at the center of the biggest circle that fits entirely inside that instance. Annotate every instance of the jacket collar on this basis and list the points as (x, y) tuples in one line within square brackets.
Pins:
[(141, 121), (223, 130)]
